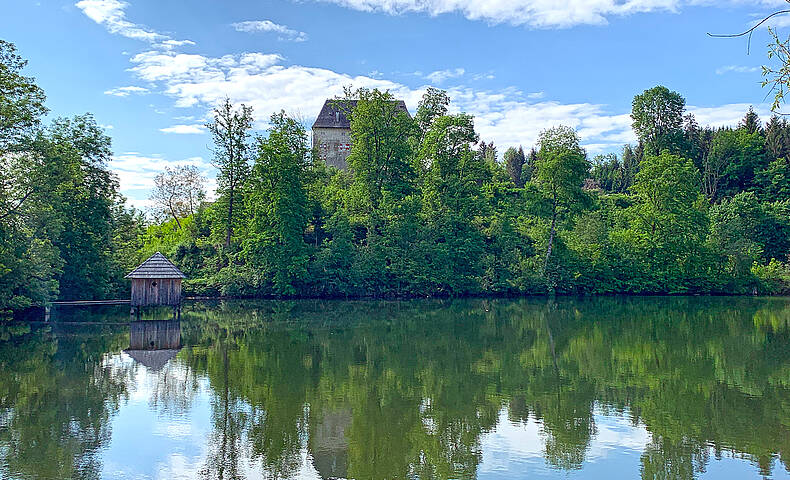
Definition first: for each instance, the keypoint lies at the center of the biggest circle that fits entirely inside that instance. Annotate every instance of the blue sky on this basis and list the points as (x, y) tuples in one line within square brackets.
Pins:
[(152, 70)]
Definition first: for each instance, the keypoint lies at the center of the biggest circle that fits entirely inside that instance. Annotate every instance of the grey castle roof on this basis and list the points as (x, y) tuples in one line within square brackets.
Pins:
[(157, 266), (334, 113)]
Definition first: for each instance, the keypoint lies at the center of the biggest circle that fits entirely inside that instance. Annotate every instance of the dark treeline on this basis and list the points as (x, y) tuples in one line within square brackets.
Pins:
[(426, 207)]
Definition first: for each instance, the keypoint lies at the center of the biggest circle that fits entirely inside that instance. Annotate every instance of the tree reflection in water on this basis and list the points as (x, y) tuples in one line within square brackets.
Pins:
[(396, 390)]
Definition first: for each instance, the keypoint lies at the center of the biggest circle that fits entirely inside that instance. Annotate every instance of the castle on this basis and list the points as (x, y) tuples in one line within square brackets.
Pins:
[(332, 131)]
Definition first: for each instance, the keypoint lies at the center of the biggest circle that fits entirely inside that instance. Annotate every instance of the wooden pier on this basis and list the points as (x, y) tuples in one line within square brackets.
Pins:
[(93, 302), (83, 303)]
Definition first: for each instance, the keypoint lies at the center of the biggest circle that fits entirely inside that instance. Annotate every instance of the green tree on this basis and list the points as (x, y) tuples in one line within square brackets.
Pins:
[(774, 180), (514, 163), (85, 196), (777, 138), (669, 224), (380, 154), (560, 170), (230, 130), (452, 201), (657, 116), (751, 122), (433, 105), (21, 100), (278, 204), (735, 158)]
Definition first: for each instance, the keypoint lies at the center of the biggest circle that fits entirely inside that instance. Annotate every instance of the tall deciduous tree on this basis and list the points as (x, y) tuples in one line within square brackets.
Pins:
[(21, 100), (669, 226), (178, 191), (560, 170), (231, 130), (657, 116), (433, 104), (86, 193), (452, 199), (278, 202), (381, 150)]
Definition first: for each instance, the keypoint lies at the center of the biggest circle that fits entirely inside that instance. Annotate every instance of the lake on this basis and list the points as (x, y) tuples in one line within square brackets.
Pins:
[(653, 388)]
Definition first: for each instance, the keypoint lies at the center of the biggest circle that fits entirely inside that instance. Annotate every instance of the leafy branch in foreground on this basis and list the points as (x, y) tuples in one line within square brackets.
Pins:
[(778, 79)]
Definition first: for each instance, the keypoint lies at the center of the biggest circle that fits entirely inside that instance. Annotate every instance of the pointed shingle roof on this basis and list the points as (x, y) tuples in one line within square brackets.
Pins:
[(157, 266), (334, 113)]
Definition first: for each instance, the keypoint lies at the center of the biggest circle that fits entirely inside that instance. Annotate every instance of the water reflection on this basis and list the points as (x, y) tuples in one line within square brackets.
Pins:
[(153, 343), (658, 388)]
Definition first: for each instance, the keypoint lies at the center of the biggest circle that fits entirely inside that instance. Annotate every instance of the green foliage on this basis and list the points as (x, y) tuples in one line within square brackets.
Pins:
[(774, 180), (64, 232), (560, 170), (735, 157), (668, 226), (515, 161), (21, 101), (230, 131), (381, 150), (274, 243), (657, 116), (425, 209), (774, 278)]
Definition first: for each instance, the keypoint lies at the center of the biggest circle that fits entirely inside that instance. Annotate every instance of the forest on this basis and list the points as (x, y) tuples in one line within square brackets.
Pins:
[(426, 208)]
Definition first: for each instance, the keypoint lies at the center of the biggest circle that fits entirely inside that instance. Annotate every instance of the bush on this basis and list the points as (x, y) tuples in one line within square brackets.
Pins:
[(774, 278)]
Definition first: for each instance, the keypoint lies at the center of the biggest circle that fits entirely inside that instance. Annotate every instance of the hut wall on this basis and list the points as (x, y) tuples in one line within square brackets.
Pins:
[(156, 291)]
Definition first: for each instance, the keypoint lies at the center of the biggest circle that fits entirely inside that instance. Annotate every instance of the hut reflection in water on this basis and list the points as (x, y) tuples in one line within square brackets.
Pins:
[(153, 343)]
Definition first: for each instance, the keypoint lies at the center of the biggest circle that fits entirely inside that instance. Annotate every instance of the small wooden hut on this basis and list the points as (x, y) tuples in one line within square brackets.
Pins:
[(156, 282)]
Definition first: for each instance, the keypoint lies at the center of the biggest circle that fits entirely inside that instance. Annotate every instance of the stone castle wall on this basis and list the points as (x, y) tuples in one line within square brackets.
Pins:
[(333, 144)]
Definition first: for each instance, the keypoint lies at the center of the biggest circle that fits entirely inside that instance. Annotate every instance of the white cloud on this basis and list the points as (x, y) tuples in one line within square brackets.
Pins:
[(284, 32), (727, 115), (110, 14), (736, 69), (483, 76), (196, 129), (534, 13), (176, 43), (440, 76), (136, 174), (508, 117), (125, 91), (253, 78)]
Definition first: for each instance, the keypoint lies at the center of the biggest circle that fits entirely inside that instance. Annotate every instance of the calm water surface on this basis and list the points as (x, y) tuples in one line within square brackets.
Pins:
[(653, 388)]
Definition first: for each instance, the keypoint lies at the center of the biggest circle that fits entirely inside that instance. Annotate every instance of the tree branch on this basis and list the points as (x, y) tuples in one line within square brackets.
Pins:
[(749, 31), (19, 204)]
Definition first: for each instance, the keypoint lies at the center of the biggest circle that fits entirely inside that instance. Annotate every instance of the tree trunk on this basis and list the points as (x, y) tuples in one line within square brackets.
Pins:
[(230, 220), (173, 213)]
